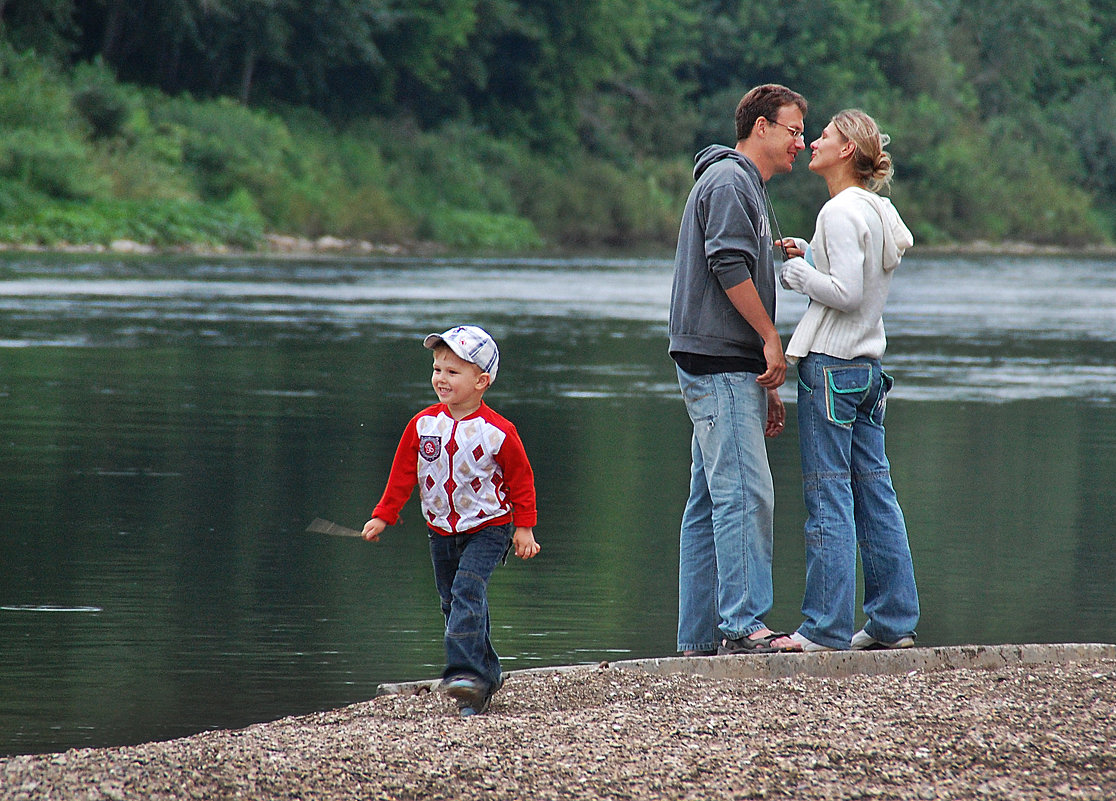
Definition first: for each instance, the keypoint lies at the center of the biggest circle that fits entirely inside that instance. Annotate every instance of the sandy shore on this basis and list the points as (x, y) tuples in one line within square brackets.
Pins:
[(1023, 731)]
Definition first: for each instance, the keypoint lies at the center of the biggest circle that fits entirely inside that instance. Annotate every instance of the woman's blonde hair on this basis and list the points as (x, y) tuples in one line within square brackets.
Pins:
[(871, 163)]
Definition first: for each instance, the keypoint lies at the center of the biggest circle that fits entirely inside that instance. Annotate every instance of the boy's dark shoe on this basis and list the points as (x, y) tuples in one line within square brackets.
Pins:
[(472, 695)]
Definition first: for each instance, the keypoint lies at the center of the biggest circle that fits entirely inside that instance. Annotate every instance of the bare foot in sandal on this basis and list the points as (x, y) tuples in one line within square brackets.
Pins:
[(787, 644)]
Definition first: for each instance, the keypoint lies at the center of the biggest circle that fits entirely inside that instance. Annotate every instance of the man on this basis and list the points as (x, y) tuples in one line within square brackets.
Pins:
[(730, 364)]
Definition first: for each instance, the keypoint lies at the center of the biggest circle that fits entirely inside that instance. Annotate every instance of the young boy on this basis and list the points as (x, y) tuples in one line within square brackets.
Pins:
[(478, 497)]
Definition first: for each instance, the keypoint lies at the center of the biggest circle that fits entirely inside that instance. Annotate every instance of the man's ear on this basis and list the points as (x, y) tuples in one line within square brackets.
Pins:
[(484, 381)]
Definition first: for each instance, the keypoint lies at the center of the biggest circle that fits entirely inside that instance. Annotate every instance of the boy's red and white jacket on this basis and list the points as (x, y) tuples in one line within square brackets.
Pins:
[(471, 473)]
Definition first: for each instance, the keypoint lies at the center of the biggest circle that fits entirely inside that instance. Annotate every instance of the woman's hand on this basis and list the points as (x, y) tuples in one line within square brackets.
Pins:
[(796, 272)]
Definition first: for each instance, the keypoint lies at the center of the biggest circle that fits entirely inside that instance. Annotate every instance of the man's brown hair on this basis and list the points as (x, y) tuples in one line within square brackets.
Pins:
[(764, 101)]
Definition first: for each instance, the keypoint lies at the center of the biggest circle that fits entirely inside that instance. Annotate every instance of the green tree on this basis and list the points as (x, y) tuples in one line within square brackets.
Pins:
[(45, 26), (1027, 51)]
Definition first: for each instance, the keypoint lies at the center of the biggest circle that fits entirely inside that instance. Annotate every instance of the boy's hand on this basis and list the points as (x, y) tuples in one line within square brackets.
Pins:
[(373, 529), (524, 542)]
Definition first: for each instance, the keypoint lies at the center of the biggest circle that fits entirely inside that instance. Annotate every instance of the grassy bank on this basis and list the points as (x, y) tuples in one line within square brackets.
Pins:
[(86, 161)]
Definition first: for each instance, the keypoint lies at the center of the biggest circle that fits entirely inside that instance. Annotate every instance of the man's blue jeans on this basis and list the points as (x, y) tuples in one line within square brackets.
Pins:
[(462, 566), (850, 502), (724, 563)]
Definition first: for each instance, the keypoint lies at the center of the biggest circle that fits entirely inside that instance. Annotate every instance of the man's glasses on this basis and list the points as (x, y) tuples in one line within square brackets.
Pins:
[(797, 134)]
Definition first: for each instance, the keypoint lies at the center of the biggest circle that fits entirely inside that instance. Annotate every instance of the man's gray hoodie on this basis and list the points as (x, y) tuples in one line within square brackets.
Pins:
[(724, 240)]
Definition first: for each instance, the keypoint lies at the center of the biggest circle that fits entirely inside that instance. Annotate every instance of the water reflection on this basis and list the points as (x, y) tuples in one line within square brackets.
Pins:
[(169, 427)]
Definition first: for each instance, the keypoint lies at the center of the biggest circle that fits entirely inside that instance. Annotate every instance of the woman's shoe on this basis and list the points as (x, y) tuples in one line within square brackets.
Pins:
[(862, 641)]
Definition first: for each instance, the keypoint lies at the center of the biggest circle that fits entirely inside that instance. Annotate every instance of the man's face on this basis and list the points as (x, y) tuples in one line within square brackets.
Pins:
[(786, 139)]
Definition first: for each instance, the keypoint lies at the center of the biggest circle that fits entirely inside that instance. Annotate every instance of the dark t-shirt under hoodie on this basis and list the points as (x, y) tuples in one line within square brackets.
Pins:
[(724, 240)]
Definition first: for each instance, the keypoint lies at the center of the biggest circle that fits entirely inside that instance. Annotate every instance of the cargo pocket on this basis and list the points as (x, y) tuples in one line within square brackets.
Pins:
[(845, 385)]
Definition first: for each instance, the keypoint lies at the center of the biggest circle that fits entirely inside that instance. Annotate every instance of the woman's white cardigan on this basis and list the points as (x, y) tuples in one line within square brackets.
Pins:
[(858, 242)]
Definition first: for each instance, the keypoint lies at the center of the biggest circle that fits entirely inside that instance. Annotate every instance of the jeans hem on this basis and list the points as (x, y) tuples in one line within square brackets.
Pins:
[(747, 632), (812, 634), (701, 646)]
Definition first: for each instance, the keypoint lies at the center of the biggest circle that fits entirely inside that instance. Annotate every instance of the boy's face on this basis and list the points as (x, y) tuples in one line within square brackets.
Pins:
[(459, 384)]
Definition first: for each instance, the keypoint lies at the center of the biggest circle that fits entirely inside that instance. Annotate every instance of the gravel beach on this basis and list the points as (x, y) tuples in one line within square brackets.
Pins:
[(1025, 731)]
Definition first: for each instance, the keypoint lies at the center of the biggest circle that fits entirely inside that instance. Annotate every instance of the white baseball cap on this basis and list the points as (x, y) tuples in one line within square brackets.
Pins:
[(471, 343)]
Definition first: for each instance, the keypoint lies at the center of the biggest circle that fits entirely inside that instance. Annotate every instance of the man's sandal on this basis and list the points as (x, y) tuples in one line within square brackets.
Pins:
[(748, 645)]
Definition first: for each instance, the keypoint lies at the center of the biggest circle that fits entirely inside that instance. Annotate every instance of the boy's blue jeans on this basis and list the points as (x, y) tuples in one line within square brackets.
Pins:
[(850, 502), (724, 563), (463, 563)]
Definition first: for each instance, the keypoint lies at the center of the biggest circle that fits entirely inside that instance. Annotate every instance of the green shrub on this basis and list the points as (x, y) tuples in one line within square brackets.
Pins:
[(50, 162), (589, 201), (157, 223), (227, 145), (42, 139), (34, 96), (106, 105), (478, 230)]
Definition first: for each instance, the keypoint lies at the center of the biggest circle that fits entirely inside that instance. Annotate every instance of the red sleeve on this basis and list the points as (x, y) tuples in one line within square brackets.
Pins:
[(403, 477), (519, 478)]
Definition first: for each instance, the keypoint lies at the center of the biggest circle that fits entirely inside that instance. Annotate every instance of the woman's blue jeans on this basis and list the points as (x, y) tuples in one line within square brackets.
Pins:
[(850, 502), (462, 566), (724, 561)]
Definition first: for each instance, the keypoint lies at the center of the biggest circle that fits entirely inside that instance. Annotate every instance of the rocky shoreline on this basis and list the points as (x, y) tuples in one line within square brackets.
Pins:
[(1017, 731), (284, 245)]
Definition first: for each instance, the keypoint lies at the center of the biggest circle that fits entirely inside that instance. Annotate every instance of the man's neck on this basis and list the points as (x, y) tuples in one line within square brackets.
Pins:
[(751, 151)]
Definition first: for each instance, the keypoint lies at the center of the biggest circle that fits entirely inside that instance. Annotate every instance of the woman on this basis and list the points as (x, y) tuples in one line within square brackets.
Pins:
[(846, 271)]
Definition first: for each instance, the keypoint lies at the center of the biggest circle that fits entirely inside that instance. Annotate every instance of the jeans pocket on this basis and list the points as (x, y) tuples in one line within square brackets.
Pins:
[(879, 409), (699, 395), (845, 385), (803, 384)]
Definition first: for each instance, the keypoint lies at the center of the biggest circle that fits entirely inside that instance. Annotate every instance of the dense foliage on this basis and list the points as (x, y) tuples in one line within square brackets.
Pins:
[(506, 123)]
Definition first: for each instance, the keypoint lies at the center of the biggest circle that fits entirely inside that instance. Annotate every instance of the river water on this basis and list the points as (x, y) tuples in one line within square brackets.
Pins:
[(169, 427)]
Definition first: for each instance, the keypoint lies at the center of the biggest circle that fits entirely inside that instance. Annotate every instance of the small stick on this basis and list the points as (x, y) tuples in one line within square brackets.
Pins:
[(319, 526)]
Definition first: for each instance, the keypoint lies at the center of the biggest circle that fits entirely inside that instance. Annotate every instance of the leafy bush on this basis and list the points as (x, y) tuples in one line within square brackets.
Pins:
[(478, 230), (163, 224), (42, 142), (590, 201), (32, 95), (50, 162), (228, 146), (105, 104)]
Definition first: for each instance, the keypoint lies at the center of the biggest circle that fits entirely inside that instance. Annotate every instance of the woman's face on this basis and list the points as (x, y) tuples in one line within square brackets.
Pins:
[(829, 151)]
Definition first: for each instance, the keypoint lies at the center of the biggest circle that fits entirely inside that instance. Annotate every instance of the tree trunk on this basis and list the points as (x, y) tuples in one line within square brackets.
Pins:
[(247, 72), (114, 22)]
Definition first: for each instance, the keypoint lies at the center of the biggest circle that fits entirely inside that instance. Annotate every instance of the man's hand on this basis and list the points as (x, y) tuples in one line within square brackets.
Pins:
[(746, 301), (793, 246), (776, 414), (776, 372)]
